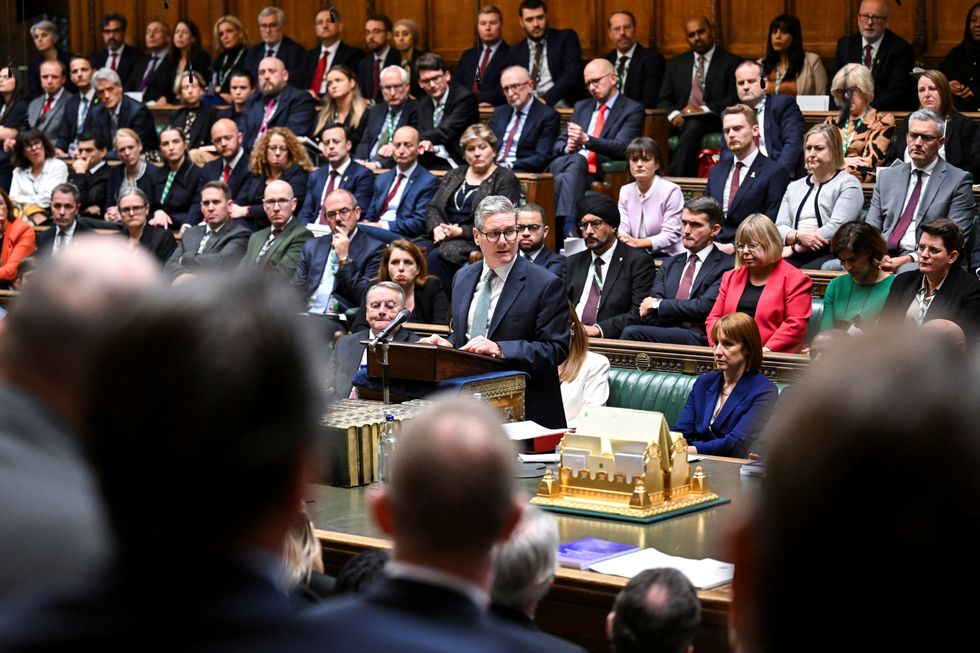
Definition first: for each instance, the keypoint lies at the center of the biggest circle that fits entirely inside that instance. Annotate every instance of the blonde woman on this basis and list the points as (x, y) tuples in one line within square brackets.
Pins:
[(865, 132)]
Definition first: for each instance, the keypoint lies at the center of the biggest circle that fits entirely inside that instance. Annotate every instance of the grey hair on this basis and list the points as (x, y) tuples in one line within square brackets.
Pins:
[(402, 73), (492, 205), (390, 285), (524, 565), (106, 75), (48, 27), (273, 11), (68, 188), (930, 115), (133, 190)]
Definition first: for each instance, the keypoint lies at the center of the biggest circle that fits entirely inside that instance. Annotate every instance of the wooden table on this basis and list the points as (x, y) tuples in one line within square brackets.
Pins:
[(577, 604)]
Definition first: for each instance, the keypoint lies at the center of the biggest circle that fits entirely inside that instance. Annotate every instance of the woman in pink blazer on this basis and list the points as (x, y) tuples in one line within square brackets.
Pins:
[(765, 286), (650, 207)]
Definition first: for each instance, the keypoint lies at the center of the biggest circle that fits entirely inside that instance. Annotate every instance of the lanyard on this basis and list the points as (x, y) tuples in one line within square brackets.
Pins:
[(847, 139)]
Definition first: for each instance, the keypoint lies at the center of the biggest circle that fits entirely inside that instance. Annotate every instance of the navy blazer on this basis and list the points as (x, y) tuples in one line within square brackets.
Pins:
[(691, 312), (91, 188), (160, 84), (375, 124), (529, 324), (783, 128), (182, 195), (357, 179), (124, 63), (488, 89), (761, 191), (410, 215), (132, 114), (69, 125), (564, 63), (365, 72), (45, 239), (740, 421), (539, 132), (200, 132), (346, 55), (290, 53), (461, 111), (625, 284), (352, 280), (624, 122), (895, 88), (644, 75), (554, 263), (719, 83), (294, 110)]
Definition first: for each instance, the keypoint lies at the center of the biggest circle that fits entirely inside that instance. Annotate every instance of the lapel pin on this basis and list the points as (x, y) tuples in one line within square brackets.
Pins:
[(752, 175)]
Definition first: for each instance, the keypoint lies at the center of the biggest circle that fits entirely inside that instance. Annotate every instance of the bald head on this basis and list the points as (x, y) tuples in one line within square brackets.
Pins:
[(600, 79), (949, 331), (697, 31), (406, 144), (226, 138), (278, 202)]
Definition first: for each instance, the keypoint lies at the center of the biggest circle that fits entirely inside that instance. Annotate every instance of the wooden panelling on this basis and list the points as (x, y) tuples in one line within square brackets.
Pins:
[(675, 14), (451, 43)]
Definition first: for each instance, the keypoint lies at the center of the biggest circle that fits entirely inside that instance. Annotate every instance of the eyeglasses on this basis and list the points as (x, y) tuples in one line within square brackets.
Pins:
[(343, 213), (871, 18), (595, 82), (276, 202), (533, 228), (494, 236), (391, 88), (132, 210), (742, 247), (510, 88), (268, 25), (590, 224), (33, 145), (926, 138), (429, 80)]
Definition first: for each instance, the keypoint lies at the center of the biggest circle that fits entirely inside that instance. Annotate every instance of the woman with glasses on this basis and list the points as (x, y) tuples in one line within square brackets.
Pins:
[(865, 133), (449, 216), (343, 104), (815, 206), (36, 173), (133, 173), (765, 287), (792, 70), (278, 155), (134, 207), (856, 298), (651, 206)]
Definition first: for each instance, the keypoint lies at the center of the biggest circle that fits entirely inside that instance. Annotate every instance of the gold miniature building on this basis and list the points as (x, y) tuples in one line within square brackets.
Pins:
[(623, 463)]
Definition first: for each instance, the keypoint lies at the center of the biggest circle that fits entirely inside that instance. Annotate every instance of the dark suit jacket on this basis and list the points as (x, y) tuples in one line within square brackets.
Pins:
[(488, 89), (761, 191), (283, 255), (529, 324), (958, 299), (431, 306), (294, 109), (410, 215), (719, 83), (150, 183), (238, 181), (554, 263), (462, 110), (375, 125), (740, 420), (784, 134), (124, 65), (92, 188), (357, 179), (412, 617), (564, 63), (222, 251), (182, 195), (538, 134), (45, 239), (69, 125), (352, 280), (692, 312), (625, 284), (960, 134), (200, 132), (624, 122), (132, 114), (644, 75), (161, 84), (290, 52), (346, 55), (894, 86), (365, 72), (157, 241), (346, 358)]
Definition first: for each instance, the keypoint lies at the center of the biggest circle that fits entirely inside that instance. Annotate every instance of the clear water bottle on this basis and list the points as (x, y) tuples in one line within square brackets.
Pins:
[(386, 448)]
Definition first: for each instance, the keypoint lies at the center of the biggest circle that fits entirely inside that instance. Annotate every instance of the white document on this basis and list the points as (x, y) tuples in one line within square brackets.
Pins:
[(528, 430), (813, 102), (538, 457), (703, 574)]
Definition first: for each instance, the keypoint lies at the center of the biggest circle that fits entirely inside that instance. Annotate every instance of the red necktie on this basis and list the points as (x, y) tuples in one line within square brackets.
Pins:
[(326, 192), (867, 56), (599, 122), (895, 238), (391, 195), (47, 106), (227, 172), (684, 290), (591, 309), (510, 135), (481, 71), (321, 69), (733, 190), (377, 78), (113, 64)]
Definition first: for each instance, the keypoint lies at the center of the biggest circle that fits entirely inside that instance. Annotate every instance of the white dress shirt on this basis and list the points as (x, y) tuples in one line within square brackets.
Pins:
[(496, 287)]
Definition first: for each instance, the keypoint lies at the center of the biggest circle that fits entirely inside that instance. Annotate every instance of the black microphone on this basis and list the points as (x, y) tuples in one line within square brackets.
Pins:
[(396, 322)]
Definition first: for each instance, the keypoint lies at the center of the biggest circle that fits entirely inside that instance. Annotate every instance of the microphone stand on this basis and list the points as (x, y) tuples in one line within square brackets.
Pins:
[(385, 368)]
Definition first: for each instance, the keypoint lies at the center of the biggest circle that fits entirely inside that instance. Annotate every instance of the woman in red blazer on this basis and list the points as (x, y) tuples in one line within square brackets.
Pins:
[(18, 241), (765, 286)]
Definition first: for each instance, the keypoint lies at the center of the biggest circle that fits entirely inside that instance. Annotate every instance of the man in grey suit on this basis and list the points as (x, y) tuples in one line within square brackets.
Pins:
[(54, 529), (919, 191), (46, 111), (217, 242)]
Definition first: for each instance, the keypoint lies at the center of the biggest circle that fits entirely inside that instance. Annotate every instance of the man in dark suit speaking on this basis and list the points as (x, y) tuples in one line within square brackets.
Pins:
[(512, 309)]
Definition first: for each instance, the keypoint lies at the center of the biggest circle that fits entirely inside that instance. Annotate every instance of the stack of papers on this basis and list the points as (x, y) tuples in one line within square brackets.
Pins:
[(703, 574)]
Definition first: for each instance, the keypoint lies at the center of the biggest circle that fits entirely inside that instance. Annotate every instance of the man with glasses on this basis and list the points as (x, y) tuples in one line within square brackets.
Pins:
[(444, 113), (397, 110), (272, 23), (380, 55), (525, 128), (117, 56), (116, 111), (509, 308), (608, 280), (217, 242), (887, 55), (920, 190), (599, 131), (340, 173), (335, 270), (153, 75), (531, 235), (277, 248), (639, 70)]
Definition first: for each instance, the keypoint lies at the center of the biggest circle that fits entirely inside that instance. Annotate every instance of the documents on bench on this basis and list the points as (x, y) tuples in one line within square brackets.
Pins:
[(703, 574)]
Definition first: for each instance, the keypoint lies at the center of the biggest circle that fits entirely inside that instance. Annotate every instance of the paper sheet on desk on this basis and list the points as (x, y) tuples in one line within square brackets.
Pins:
[(538, 457), (703, 574), (527, 430)]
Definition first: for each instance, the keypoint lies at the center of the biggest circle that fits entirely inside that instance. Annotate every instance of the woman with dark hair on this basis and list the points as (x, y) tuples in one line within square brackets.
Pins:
[(36, 174), (278, 155), (194, 119), (405, 36), (962, 65), (185, 51), (18, 241), (856, 298), (343, 104), (13, 115), (404, 263), (45, 35), (935, 93), (584, 375), (230, 41), (791, 70), (180, 179), (651, 205), (728, 408)]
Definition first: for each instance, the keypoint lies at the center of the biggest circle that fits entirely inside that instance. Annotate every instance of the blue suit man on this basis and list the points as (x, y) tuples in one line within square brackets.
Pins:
[(291, 107), (352, 279), (131, 114), (529, 149), (335, 146), (486, 86), (562, 53)]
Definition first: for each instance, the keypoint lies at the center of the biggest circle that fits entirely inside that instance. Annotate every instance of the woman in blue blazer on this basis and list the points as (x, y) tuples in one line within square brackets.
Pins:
[(727, 409)]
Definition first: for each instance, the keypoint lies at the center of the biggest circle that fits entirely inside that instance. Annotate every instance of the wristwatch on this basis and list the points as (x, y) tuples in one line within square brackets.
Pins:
[(342, 261)]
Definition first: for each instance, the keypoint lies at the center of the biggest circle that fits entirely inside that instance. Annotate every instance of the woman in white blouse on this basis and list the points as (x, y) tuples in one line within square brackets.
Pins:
[(584, 375), (36, 174)]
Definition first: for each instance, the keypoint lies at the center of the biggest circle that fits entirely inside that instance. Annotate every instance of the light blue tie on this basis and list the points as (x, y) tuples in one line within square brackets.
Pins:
[(321, 303), (481, 316)]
